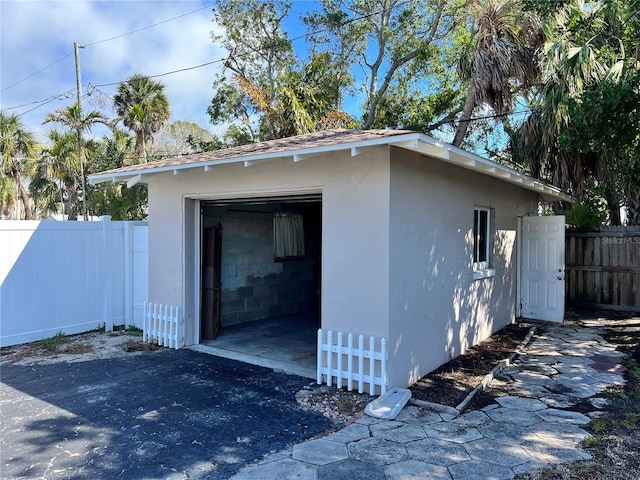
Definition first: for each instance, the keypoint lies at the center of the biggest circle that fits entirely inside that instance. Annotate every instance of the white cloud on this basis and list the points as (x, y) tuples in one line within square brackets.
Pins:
[(34, 34)]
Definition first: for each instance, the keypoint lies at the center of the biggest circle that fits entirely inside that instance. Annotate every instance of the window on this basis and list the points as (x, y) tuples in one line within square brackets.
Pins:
[(288, 236), (482, 243)]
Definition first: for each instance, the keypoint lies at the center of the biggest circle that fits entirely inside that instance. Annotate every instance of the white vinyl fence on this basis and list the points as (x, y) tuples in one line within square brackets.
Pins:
[(352, 363), (70, 277)]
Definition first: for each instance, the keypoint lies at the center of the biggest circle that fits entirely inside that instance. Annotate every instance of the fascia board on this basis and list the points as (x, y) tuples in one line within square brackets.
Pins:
[(485, 166), (301, 153)]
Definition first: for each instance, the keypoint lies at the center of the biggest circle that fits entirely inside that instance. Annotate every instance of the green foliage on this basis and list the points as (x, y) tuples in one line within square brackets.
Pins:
[(400, 48), (588, 215), (52, 343), (143, 107), (115, 199), (118, 201), (591, 441), (17, 148), (404, 50), (584, 124)]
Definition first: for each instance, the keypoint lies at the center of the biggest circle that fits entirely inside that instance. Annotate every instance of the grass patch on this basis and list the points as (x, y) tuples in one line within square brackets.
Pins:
[(130, 330), (134, 331), (593, 441), (51, 344)]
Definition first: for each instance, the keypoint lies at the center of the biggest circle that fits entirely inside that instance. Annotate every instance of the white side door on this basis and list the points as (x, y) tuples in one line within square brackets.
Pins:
[(542, 287)]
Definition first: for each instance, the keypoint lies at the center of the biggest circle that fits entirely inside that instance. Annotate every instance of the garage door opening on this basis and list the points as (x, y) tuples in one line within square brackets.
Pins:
[(260, 280)]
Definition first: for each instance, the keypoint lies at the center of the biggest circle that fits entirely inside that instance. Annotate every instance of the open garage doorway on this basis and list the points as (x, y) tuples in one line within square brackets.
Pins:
[(260, 277)]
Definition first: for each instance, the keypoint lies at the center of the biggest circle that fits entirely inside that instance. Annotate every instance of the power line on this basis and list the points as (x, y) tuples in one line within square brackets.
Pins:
[(148, 26), (35, 73), (103, 41), (220, 60), (293, 39)]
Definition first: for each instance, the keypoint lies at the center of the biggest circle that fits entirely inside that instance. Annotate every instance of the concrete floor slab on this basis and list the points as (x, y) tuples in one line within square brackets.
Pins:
[(543, 452), (415, 470), (404, 434), (282, 470), (526, 404), (437, 452), (506, 455), (350, 433), (477, 470), (378, 451), (352, 469), (452, 433), (505, 433), (564, 416), (513, 416), (320, 452)]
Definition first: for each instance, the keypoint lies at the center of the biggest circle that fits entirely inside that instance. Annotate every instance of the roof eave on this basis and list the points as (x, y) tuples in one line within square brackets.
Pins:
[(448, 153), (413, 141), (296, 155)]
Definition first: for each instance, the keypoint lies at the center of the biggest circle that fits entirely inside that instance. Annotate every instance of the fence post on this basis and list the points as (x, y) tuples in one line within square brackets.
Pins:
[(319, 357), (107, 262), (128, 273)]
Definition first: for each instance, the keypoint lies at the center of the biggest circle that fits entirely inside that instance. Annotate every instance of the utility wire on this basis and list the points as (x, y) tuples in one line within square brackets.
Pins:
[(102, 41), (148, 26), (293, 39), (220, 60), (35, 73)]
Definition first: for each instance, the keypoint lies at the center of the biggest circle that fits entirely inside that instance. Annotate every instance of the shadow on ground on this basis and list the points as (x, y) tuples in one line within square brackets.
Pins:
[(167, 414)]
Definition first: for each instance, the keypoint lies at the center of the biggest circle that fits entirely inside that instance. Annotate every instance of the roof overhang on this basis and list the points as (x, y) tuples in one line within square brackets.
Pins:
[(412, 141)]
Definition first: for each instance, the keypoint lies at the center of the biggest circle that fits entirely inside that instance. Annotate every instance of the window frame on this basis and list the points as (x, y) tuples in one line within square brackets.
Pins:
[(482, 268)]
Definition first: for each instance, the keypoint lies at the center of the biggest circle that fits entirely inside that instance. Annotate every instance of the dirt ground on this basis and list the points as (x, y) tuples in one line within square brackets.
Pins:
[(453, 381)]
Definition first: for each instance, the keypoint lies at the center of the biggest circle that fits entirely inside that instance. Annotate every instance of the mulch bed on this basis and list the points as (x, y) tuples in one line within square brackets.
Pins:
[(453, 381)]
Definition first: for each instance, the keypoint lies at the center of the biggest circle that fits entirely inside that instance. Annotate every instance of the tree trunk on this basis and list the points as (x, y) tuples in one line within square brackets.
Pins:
[(24, 197), (613, 205), (72, 201), (467, 110)]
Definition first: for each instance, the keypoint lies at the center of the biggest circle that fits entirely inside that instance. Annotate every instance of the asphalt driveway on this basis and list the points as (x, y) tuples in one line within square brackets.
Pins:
[(167, 414)]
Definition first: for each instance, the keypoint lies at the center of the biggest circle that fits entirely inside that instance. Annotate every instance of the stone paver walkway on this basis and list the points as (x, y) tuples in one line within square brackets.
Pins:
[(531, 427)]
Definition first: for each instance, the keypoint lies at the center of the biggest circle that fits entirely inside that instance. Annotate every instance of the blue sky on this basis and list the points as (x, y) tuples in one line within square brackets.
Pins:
[(35, 34)]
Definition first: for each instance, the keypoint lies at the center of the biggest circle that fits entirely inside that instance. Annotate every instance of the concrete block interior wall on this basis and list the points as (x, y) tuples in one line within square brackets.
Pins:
[(256, 286)]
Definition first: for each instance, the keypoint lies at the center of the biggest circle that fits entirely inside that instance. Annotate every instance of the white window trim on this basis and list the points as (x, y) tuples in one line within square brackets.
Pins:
[(484, 273), (483, 269)]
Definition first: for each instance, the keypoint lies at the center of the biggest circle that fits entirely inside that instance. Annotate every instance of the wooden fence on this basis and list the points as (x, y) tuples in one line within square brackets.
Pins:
[(603, 268)]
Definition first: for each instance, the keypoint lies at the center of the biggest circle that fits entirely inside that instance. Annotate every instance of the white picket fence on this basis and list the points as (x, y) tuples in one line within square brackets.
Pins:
[(162, 325), (70, 277), (363, 366)]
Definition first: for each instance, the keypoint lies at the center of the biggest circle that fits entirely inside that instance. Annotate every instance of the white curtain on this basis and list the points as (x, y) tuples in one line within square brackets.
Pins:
[(288, 235)]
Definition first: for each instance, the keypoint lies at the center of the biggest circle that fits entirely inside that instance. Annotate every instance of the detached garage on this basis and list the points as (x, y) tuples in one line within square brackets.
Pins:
[(419, 247)]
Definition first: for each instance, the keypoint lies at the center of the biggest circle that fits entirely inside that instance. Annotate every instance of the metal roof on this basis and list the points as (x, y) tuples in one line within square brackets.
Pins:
[(303, 147)]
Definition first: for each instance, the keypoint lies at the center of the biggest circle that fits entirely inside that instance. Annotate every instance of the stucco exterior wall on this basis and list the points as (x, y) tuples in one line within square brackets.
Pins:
[(355, 226), (437, 310)]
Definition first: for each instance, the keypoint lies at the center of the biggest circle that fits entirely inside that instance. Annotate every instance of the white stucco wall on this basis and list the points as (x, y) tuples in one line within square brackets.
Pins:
[(355, 225), (437, 310)]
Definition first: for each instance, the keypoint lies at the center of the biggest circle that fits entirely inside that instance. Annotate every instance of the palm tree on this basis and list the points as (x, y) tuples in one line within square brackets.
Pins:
[(55, 176), (16, 145), (79, 122), (143, 108), (503, 58), (570, 63)]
